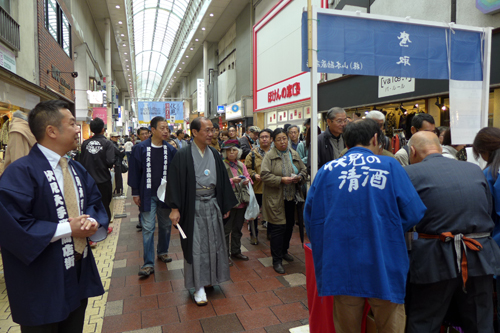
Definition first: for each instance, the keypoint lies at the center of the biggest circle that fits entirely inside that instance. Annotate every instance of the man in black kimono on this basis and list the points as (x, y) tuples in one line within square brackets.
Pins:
[(453, 257), (199, 193), (49, 206)]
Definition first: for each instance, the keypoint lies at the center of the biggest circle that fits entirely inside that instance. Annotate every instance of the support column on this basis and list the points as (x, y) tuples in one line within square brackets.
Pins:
[(205, 75), (496, 108), (107, 61)]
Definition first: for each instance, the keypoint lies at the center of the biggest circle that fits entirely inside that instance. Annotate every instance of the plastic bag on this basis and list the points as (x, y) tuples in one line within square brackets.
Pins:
[(253, 208)]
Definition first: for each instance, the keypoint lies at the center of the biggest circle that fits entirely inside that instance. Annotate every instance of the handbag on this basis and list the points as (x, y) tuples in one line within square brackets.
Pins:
[(124, 166), (253, 208)]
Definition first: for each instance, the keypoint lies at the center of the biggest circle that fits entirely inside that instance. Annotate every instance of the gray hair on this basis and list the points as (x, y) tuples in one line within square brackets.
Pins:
[(292, 126), (333, 112), (224, 153), (376, 115)]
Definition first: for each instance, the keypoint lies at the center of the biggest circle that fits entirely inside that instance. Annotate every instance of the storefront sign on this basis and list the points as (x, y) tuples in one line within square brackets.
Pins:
[(119, 119), (390, 85), (56, 75), (292, 90), (221, 109), (201, 95), (149, 110), (100, 113), (233, 111), (94, 97), (488, 6), (7, 59), (348, 44)]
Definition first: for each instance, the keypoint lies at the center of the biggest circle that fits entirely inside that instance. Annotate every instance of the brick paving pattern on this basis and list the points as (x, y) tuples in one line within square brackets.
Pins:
[(256, 299)]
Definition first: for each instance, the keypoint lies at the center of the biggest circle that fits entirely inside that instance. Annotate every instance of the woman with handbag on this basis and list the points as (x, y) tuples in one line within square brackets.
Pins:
[(240, 179), (283, 174)]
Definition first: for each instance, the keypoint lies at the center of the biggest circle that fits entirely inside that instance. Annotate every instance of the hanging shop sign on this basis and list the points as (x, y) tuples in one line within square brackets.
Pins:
[(63, 85), (390, 85), (149, 110), (292, 90), (221, 109), (362, 46), (201, 95), (233, 111), (100, 113), (488, 6)]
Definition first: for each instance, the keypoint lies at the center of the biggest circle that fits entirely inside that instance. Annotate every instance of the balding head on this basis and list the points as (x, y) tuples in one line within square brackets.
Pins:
[(423, 144)]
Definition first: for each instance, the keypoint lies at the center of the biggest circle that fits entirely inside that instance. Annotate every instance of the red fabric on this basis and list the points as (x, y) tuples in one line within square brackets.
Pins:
[(395, 144), (321, 308)]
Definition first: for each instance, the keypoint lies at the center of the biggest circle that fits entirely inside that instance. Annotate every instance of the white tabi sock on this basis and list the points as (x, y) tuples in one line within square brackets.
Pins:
[(200, 295)]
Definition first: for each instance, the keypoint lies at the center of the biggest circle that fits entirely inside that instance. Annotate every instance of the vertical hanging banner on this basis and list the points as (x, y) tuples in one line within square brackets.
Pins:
[(201, 95), (168, 110), (375, 45), (100, 113)]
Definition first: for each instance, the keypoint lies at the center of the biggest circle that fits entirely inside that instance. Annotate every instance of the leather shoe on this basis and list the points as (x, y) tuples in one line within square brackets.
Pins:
[(239, 256), (278, 268), (287, 257)]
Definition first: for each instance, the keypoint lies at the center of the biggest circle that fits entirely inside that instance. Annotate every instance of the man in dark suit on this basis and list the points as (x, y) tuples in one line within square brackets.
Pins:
[(453, 257)]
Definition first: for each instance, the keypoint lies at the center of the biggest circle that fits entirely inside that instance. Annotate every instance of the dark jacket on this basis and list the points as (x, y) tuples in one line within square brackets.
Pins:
[(119, 154), (245, 145), (181, 192), (98, 156), (458, 200), (325, 150)]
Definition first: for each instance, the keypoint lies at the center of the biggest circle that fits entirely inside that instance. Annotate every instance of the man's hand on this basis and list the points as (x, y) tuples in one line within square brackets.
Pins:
[(297, 179), (137, 200), (246, 181), (175, 216), (257, 177), (287, 180), (81, 227)]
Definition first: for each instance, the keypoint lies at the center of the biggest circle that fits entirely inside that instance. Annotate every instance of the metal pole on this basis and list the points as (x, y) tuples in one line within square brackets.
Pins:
[(107, 61), (486, 77), (205, 77), (314, 92)]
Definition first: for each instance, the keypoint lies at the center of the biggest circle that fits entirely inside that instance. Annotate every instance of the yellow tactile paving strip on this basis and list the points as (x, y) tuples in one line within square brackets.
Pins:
[(104, 255)]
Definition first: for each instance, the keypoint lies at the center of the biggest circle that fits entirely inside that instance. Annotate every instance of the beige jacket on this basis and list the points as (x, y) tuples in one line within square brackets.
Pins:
[(257, 184), (20, 139), (273, 202)]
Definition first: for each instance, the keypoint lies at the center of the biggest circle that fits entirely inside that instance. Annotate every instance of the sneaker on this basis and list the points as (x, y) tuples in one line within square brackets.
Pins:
[(165, 258), (92, 244), (146, 271)]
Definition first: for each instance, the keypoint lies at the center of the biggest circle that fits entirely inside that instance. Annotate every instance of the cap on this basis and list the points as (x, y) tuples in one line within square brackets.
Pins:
[(230, 144), (254, 129), (114, 134)]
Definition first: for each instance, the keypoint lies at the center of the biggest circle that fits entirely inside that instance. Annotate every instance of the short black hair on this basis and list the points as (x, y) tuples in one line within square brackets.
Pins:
[(361, 132), (196, 123), (156, 120), (179, 132), (447, 137), (96, 125), (216, 126), (278, 131), (44, 114), (142, 129), (232, 126), (266, 130), (418, 120)]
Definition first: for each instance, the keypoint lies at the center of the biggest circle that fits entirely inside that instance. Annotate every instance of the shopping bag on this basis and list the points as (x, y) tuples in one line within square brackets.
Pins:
[(253, 206)]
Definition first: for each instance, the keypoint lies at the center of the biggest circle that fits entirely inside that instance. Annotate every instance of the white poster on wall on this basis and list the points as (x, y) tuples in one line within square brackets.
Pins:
[(282, 116), (391, 85), (200, 96), (271, 118), (465, 110)]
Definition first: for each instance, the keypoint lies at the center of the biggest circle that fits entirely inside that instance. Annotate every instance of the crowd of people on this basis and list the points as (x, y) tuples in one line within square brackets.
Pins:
[(412, 230)]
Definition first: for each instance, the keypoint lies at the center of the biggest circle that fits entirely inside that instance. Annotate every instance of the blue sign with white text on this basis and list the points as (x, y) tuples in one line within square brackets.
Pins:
[(360, 46), (149, 110)]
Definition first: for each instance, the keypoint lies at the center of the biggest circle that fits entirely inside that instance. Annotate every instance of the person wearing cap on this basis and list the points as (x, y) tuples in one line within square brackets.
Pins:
[(239, 177), (119, 154), (247, 141)]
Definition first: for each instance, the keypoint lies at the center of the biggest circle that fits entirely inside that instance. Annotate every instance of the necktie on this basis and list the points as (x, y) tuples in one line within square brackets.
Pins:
[(71, 202)]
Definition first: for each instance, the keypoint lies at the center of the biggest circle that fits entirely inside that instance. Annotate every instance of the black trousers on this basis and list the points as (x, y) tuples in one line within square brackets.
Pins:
[(430, 303), (106, 190), (118, 179), (282, 233), (74, 322)]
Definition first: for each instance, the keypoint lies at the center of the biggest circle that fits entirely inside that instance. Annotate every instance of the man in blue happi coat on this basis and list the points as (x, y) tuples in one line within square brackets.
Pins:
[(49, 206), (148, 167), (356, 213)]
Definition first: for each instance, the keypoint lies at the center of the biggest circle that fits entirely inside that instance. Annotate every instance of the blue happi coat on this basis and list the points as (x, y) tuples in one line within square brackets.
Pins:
[(42, 287), (495, 192), (137, 168), (356, 213)]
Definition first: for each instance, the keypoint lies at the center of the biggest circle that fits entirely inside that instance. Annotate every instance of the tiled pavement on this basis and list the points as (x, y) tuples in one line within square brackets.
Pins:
[(256, 299)]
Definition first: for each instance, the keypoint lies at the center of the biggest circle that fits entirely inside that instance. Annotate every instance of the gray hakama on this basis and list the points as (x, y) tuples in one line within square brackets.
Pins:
[(210, 259)]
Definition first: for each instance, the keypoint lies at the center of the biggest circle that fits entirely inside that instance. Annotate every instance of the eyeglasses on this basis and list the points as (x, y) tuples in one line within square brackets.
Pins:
[(340, 121)]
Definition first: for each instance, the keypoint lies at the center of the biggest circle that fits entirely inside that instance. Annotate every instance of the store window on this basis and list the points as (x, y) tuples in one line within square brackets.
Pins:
[(58, 25)]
